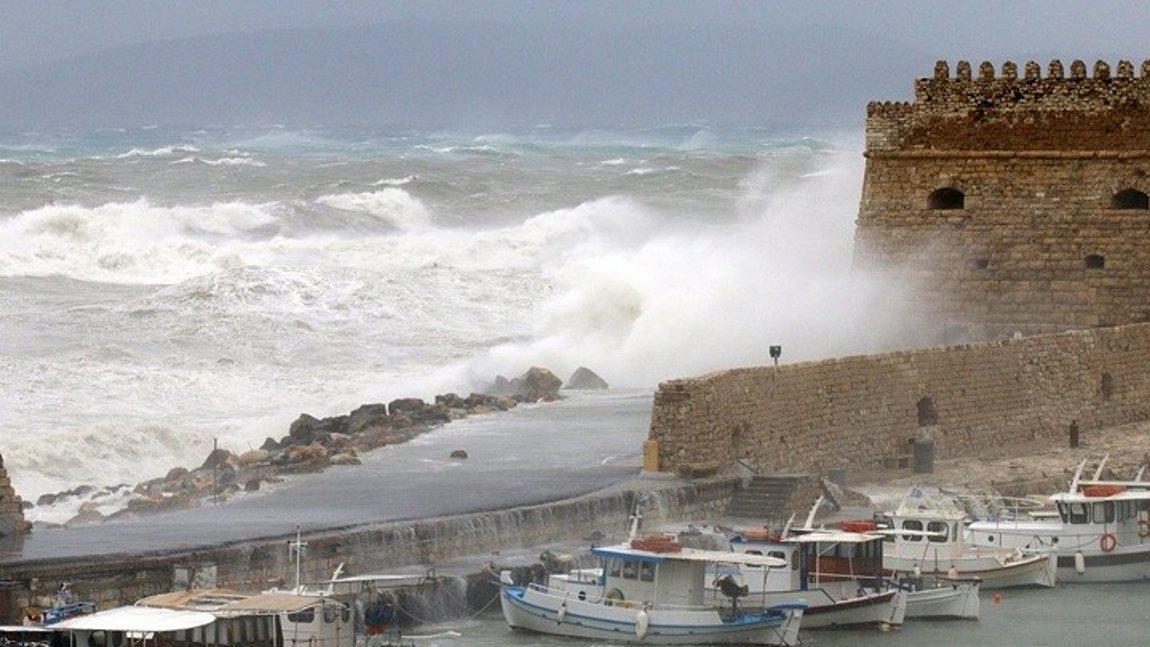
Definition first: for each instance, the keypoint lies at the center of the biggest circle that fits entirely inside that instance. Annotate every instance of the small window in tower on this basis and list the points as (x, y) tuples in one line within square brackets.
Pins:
[(1095, 262), (980, 263), (946, 199), (1130, 199)]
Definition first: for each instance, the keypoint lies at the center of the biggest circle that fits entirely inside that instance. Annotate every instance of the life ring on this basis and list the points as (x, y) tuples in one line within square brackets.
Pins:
[(1108, 542), (1144, 528)]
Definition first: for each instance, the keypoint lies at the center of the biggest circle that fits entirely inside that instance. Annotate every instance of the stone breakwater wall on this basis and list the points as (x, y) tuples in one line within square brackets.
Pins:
[(257, 565), (861, 413), (11, 508)]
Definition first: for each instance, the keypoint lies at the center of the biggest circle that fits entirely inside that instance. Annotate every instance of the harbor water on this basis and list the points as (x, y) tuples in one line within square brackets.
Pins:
[(1106, 614)]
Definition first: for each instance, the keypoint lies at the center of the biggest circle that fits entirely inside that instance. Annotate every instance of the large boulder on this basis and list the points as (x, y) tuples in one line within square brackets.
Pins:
[(584, 379), (368, 416), (539, 384)]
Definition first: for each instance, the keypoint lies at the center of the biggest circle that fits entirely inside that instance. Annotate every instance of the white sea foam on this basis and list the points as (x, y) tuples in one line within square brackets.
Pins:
[(395, 181), (165, 151), (394, 206)]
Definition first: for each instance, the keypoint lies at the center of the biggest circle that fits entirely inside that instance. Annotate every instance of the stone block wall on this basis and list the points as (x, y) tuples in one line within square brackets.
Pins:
[(1039, 241), (11, 507), (859, 413)]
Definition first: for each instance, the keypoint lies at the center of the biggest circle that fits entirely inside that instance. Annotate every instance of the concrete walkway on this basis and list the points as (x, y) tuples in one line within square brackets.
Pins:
[(531, 454)]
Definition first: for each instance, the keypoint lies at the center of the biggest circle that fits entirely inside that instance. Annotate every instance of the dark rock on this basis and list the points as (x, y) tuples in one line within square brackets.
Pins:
[(502, 386), (177, 473), (345, 459), (27, 505), (406, 406), (367, 417), (539, 384), (451, 401), (216, 458), (252, 485), (270, 445), (585, 379), (88, 515), (459, 453)]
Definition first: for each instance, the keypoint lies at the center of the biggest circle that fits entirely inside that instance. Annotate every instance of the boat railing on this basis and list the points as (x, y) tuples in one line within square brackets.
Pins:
[(569, 595)]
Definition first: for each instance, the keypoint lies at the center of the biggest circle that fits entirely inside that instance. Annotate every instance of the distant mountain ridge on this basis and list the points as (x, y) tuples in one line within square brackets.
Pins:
[(476, 74)]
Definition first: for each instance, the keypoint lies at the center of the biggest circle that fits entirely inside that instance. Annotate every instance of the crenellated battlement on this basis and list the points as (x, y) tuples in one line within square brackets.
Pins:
[(1011, 108)]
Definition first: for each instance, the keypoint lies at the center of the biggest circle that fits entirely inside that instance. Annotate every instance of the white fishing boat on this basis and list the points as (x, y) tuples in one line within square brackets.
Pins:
[(927, 539), (1100, 532), (838, 574), (941, 598), (651, 590)]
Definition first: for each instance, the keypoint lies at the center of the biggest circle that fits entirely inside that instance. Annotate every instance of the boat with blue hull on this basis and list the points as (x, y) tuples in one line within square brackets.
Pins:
[(652, 591)]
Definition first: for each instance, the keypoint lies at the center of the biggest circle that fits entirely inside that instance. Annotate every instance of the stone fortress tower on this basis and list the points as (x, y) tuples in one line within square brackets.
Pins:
[(1013, 202), (11, 509)]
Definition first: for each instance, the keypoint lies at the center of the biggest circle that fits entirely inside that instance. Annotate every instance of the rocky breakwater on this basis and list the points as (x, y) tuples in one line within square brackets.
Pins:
[(311, 445), (11, 508)]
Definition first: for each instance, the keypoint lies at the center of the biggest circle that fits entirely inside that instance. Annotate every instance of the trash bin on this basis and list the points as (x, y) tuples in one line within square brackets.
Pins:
[(923, 455)]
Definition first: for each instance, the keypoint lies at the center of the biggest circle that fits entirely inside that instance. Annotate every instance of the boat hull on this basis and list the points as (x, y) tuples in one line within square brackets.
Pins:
[(1116, 566), (525, 609), (1039, 570), (958, 601), (877, 609)]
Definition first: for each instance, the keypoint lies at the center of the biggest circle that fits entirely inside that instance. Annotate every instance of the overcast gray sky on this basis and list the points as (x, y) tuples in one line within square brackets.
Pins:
[(465, 62), (34, 31)]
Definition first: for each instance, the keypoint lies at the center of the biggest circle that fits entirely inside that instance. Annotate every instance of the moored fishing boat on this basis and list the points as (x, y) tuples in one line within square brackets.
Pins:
[(1100, 532), (651, 590), (927, 539), (836, 572)]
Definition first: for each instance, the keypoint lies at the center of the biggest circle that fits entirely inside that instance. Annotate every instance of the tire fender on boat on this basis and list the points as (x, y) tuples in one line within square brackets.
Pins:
[(1144, 529), (642, 624), (1079, 563)]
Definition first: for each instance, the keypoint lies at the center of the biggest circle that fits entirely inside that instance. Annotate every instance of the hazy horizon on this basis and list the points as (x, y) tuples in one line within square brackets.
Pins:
[(506, 64)]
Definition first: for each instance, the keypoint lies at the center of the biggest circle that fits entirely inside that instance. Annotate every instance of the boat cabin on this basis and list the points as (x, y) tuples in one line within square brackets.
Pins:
[(677, 577), (811, 560)]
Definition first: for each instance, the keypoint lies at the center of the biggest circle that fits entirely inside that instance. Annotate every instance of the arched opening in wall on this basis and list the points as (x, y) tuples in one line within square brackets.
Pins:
[(927, 413), (1107, 386), (1130, 199), (946, 198), (1095, 262)]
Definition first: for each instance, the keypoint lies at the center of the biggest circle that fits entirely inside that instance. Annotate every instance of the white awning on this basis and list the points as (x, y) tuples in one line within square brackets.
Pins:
[(137, 619), (832, 537)]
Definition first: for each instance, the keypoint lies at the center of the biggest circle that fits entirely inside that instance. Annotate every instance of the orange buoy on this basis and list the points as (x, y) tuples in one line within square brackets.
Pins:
[(998, 598)]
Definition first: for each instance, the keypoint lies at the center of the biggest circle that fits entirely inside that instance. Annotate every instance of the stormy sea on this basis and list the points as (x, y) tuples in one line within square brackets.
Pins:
[(164, 287)]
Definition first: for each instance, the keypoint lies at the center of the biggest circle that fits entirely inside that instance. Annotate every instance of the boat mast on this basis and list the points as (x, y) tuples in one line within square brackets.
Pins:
[(297, 547)]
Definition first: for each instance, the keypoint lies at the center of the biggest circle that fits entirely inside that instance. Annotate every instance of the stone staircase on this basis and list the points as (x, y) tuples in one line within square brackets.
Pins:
[(775, 497)]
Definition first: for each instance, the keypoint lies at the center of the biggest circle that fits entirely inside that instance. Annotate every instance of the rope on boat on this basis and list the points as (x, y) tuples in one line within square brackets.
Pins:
[(472, 616)]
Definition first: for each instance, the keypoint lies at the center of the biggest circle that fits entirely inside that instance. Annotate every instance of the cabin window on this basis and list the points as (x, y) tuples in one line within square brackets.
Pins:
[(946, 198), (646, 572), (330, 613), (954, 532), (630, 569), (346, 615), (940, 527), (1130, 199), (1095, 262), (752, 552), (1078, 513), (777, 554), (616, 568), (1104, 512), (307, 616), (1062, 512), (911, 524)]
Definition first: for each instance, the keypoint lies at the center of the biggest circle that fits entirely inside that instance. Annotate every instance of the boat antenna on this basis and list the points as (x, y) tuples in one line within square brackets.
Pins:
[(334, 576), (636, 520), (1077, 476), (810, 523), (1141, 471), (787, 526), (1101, 464), (297, 547)]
